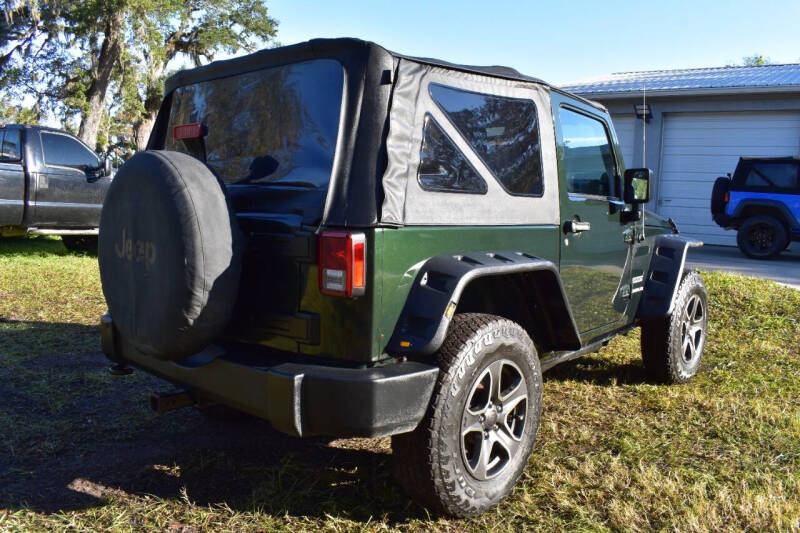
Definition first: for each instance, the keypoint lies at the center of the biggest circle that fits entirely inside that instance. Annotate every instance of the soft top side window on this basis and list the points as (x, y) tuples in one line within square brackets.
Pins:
[(10, 144), (772, 175), (503, 131), (442, 166), (588, 158)]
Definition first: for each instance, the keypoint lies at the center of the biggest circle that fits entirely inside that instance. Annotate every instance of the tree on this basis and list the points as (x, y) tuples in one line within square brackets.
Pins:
[(756, 60), (195, 29), (19, 114), (69, 54)]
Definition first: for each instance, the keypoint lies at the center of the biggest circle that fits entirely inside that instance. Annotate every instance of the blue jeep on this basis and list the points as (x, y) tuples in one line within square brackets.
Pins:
[(761, 202)]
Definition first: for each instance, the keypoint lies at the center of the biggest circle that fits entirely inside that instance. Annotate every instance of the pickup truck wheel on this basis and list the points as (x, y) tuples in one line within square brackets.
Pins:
[(475, 440), (80, 243), (762, 237), (672, 347)]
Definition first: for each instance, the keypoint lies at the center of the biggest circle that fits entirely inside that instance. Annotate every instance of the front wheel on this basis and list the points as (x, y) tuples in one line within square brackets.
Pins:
[(672, 347), (478, 434)]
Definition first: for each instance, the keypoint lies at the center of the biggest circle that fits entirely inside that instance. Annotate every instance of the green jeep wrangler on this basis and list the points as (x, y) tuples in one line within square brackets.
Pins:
[(346, 241)]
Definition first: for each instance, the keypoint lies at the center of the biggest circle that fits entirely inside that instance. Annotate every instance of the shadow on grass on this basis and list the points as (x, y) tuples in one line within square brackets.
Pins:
[(38, 245), (597, 370), (72, 436)]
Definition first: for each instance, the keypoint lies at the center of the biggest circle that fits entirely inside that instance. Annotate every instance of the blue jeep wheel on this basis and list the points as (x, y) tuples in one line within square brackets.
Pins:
[(762, 237)]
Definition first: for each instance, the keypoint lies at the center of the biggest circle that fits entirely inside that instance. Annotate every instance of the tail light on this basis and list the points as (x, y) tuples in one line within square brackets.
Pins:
[(342, 263), (727, 197)]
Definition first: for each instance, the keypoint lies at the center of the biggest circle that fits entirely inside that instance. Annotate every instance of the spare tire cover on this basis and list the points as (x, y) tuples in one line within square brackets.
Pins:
[(169, 254), (721, 186)]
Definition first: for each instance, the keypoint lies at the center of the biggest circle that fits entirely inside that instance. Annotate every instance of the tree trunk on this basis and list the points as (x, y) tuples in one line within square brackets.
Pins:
[(96, 95), (142, 129), (152, 103)]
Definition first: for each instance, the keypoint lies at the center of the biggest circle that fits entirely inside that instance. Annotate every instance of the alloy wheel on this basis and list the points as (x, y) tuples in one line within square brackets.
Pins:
[(693, 333), (494, 418)]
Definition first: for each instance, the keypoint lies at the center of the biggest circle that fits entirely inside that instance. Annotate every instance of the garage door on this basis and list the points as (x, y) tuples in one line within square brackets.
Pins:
[(699, 147), (624, 126)]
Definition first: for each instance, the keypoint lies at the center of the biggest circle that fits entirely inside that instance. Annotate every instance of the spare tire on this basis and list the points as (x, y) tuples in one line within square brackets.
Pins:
[(169, 254), (721, 186)]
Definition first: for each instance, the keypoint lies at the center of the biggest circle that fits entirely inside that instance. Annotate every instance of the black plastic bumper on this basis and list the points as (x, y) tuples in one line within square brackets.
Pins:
[(298, 399)]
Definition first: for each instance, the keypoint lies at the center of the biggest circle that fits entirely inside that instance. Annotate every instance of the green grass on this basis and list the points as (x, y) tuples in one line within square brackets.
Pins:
[(80, 451)]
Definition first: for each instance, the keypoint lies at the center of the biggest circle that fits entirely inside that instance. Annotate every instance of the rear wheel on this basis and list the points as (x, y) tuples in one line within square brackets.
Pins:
[(475, 440), (762, 237), (672, 347), (80, 243)]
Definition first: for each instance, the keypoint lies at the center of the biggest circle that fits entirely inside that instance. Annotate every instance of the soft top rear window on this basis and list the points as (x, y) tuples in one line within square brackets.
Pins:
[(272, 126)]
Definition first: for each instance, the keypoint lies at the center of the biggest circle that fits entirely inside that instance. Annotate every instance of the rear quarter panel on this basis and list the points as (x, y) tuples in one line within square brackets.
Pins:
[(403, 251), (791, 201)]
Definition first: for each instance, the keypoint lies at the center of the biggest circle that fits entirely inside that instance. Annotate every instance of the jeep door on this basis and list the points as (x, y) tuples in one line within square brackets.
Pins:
[(69, 189), (12, 177), (595, 244)]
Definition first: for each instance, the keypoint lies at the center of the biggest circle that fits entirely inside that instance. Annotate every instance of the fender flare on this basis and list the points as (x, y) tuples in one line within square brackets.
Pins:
[(664, 275), (770, 204), (439, 284)]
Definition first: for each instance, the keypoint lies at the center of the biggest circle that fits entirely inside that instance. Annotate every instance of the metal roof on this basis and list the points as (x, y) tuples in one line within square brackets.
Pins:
[(717, 80)]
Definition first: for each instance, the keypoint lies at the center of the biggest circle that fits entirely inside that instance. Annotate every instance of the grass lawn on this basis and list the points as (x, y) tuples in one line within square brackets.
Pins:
[(80, 450)]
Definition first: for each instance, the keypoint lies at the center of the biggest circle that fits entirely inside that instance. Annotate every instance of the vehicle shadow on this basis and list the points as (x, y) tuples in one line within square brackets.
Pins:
[(72, 436), (36, 246), (599, 371)]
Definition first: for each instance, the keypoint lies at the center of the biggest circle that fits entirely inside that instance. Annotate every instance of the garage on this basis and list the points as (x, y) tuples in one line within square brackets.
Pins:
[(699, 147), (624, 126), (699, 122)]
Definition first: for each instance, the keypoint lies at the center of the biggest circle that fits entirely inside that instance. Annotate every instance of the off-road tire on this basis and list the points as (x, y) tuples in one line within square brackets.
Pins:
[(430, 462), (762, 237), (666, 355), (80, 243)]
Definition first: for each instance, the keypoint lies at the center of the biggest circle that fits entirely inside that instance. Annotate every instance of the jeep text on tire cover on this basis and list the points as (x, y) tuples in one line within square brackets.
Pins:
[(347, 241)]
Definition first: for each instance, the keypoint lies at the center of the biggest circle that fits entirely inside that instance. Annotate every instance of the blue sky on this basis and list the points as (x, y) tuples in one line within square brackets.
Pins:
[(558, 41)]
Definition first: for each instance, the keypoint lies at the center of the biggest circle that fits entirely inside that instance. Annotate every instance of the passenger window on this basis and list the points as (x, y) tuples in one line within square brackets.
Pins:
[(588, 158), (773, 175), (503, 131), (60, 150), (442, 166), (9, 145)]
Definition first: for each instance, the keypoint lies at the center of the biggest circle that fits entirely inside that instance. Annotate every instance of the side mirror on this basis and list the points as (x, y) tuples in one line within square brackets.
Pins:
[(637, 185), (107, 168)]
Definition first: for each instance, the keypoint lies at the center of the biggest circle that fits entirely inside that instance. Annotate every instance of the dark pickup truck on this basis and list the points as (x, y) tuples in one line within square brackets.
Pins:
[(51, 183)]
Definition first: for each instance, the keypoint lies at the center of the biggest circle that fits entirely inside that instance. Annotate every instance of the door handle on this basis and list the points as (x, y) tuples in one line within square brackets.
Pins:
[(576, 226)]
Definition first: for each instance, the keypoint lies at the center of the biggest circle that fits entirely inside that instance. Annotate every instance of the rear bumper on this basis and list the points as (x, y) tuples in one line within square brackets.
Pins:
[(298, 399)]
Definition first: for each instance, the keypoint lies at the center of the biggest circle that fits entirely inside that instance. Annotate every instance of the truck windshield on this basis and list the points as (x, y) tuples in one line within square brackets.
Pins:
[(272, 126)]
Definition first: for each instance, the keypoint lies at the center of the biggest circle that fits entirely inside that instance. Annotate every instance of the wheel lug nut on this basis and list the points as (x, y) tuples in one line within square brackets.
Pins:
[(482, 418), (496, 427)]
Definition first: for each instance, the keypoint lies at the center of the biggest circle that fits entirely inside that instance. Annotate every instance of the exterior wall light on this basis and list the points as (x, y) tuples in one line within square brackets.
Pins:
[(643, 111)]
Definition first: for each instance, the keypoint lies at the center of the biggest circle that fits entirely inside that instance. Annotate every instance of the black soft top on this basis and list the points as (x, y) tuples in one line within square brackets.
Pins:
[(783, 159), (342, 47), (356, 189)]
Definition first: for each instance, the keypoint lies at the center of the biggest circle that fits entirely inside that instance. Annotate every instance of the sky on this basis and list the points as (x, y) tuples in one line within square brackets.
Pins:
[(559, 42)]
